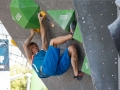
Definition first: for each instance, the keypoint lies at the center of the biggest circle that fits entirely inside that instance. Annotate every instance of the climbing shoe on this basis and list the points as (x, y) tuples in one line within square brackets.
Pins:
[(79, 76), (72, 27)]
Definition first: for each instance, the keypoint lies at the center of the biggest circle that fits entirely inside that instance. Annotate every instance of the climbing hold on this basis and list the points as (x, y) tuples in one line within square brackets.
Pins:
[(83, 21), (115, 62), (43, 14), (37, 30), (13, 42), (103, 75), (52, 24)]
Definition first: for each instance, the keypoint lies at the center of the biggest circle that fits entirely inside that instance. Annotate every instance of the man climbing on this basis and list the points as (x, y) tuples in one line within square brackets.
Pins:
[(47, 61)]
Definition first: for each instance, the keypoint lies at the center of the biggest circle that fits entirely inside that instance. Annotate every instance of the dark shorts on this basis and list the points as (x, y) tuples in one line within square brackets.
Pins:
[(54, 64)]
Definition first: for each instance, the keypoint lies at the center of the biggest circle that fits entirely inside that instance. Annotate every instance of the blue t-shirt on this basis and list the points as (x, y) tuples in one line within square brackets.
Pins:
[(38, 62)]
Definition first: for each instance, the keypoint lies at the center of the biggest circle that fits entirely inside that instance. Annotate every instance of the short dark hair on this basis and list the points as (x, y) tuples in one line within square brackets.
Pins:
[(31, 43)]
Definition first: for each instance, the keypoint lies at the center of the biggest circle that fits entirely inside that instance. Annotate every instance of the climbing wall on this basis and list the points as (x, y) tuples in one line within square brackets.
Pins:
[(94, 17)]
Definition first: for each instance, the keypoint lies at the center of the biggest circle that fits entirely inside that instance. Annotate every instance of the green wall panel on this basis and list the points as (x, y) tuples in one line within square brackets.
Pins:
[(77, 34), (24, 12), (85, 66), (63, 17)]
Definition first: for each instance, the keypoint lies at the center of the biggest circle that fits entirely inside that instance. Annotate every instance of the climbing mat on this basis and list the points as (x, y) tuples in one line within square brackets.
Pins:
[(94, 18)]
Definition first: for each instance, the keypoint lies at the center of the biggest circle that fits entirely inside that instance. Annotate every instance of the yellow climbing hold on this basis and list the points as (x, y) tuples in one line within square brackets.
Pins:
[(37, 30), (13, 42), (43, 14)]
